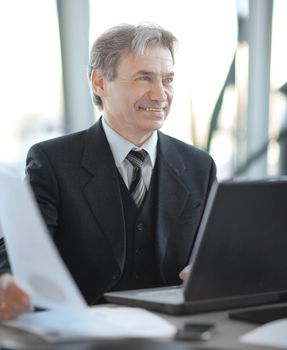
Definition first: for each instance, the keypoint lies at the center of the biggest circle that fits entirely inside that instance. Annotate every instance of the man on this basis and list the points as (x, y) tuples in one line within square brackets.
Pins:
[(123, 201)]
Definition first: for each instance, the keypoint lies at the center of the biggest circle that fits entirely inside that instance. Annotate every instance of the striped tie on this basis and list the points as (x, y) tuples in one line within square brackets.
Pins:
[(137, 187)]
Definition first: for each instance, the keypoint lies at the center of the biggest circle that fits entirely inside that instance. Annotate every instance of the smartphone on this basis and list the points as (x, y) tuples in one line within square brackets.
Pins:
[(195, 331)]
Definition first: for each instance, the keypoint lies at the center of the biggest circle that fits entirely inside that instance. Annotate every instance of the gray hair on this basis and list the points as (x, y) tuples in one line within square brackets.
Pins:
[(125, 38)]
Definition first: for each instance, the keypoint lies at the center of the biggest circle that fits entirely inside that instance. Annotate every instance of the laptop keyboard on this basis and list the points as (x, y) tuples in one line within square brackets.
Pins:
[(165, 295)]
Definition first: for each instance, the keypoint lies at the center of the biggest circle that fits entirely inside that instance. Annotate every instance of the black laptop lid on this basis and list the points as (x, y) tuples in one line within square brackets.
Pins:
[(241, 248)]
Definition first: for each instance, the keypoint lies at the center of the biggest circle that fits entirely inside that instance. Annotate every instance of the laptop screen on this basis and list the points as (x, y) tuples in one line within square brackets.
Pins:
[(241, 247)]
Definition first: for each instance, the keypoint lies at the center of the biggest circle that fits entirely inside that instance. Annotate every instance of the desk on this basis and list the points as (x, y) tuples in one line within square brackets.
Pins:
[(225, 337), (226, 332)]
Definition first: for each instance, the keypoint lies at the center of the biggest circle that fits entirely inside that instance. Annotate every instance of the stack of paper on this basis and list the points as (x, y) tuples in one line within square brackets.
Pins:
[(96, 322)]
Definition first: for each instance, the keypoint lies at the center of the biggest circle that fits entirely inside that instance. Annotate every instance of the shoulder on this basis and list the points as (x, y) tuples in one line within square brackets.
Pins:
[(64, 146), (61, 142)]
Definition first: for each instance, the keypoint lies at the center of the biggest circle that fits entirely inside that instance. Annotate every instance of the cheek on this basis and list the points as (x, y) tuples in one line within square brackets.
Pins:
[(139, 91), (132, 95)]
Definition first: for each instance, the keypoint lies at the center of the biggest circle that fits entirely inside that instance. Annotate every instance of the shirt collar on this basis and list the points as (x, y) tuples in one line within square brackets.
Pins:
[(121, 147)]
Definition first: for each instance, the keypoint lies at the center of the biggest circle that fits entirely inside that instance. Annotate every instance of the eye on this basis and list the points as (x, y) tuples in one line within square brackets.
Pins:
[(168, 81), (144, 78)]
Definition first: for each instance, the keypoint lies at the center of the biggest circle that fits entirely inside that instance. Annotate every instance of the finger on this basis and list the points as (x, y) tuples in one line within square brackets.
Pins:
[(11, 310), (183, 274), (7, 312), (16, 297), (13, 300)]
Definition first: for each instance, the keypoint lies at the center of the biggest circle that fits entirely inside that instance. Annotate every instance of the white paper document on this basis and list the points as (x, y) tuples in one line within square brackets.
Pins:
[(36, 264), (40, 271), (97, 322), (270, 334)]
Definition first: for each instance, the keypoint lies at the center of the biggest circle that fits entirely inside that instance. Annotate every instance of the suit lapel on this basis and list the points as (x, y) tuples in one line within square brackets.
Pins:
[(103, 192), (173, 200)]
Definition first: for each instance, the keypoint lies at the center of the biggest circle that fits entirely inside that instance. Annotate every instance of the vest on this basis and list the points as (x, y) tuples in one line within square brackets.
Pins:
[(140, 268)]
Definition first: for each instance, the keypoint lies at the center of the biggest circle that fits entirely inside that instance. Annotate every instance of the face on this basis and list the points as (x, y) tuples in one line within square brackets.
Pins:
[(138, 100)]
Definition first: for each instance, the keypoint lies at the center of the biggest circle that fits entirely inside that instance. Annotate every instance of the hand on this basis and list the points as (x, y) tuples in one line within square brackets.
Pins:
[(183, 274), (13, 300)]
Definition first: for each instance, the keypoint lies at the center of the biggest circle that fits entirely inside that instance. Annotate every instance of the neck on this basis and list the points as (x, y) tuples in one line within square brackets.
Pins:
[(138, 139)]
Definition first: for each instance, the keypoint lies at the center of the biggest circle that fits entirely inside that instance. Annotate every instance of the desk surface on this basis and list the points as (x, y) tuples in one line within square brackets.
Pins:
[(226, 334), (226, 331)]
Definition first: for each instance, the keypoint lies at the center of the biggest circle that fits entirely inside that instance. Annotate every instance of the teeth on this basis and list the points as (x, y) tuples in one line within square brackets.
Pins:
[(150, 109)]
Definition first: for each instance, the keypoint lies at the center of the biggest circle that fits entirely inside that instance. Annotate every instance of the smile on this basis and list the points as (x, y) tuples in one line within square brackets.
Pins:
[(152, 109)]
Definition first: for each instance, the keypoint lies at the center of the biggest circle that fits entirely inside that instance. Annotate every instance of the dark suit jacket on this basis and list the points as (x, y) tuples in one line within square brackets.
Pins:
[(76, 184)]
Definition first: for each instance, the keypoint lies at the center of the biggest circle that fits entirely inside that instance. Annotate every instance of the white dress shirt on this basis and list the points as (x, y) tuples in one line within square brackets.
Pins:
[(121, 147)]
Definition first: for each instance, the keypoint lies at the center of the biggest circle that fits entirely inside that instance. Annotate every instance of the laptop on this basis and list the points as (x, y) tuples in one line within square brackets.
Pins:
[(239, 257)]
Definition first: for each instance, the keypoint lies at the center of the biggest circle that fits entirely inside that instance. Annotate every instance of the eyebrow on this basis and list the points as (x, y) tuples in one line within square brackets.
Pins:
[(146, 72)]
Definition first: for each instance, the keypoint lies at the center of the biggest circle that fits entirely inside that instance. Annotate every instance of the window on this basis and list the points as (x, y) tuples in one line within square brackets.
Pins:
[(31, 78)]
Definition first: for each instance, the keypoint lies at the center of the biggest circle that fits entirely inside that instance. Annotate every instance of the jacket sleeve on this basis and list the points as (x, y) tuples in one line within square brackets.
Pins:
[(41, 177)]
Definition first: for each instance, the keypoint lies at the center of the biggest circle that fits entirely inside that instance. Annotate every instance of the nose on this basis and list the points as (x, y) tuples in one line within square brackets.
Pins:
[(158, 91)]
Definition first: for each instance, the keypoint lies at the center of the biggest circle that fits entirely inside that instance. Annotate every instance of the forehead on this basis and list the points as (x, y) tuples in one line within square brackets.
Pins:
[(155, 60)]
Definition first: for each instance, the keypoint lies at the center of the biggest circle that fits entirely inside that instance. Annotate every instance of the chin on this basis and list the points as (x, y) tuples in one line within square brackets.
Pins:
[(154, 125)]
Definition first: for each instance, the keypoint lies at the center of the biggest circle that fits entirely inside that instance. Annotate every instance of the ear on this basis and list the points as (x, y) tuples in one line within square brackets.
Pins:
[(97, 83)]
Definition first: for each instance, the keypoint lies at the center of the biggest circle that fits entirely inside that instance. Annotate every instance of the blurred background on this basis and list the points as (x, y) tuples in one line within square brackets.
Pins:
[(230, 84)]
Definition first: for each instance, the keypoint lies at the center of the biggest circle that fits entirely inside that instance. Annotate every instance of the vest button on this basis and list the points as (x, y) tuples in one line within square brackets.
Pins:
[(138, 251), (139, 226)]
